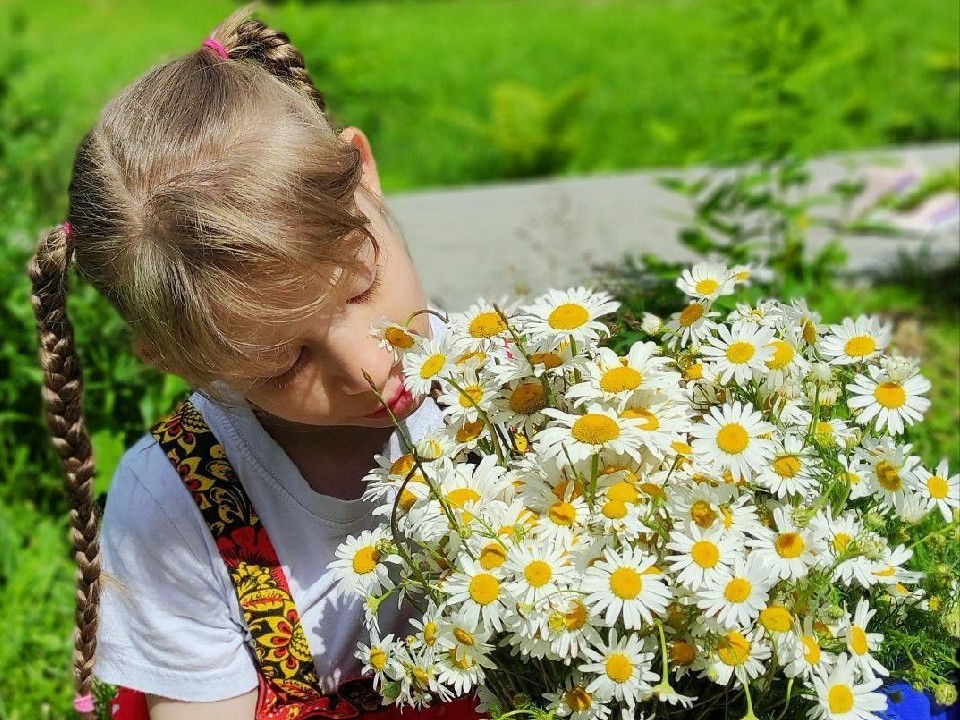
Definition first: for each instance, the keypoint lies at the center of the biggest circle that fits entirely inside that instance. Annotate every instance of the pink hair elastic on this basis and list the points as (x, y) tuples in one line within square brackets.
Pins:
[(83, 703), (68, 231), (216, 47)]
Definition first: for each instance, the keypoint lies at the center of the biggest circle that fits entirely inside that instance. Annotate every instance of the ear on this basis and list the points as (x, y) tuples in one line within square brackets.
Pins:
[(146, 352), (354, 136)]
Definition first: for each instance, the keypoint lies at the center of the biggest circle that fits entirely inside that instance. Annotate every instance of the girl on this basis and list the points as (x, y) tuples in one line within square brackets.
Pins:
[(243, 236)]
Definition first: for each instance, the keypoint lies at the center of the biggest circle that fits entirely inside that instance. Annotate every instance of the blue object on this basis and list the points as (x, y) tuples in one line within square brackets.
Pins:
[(906, 703)]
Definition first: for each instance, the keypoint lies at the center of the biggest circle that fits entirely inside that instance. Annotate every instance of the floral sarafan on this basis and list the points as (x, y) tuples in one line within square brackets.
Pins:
[(610, 525)]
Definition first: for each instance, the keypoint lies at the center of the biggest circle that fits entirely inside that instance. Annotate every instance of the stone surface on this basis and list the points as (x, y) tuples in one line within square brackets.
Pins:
[(488, 241)]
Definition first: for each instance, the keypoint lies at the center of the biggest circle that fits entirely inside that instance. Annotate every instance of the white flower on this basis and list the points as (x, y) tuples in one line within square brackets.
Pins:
[(841, 697), (574, 701), (381, 657), (393, 337), (790, 471), (568, 315), (617, 380), (622, 668), (739, 351), (731, 437), (361, 565), (891, 403), (624, 585), (862, 644), (735, 596), (650, 323), (941, 489), (707, 281), (481, 326), (787, 552), (580, 436), (894, 473), (738, 652), (539, 570), (804, 653), (471, 397), (700, 555), (855, 341), (479, 593), (691, 325), (427, 363)]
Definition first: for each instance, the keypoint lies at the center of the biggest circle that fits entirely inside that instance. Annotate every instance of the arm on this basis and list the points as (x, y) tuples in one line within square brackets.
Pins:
[(242, 707)]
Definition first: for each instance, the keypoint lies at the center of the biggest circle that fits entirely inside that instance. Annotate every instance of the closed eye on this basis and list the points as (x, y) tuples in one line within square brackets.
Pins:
[(283, 379), (368, 293)]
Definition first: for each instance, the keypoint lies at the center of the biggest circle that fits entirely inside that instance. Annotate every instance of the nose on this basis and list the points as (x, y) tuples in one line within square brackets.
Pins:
[(348, 361)]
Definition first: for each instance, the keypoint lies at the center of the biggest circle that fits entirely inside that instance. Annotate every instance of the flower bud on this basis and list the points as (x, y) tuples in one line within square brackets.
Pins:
[(650, 323), (945, 694), (821, 373)]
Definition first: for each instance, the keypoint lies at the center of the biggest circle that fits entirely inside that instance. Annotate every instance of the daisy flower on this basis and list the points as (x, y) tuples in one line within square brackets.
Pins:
[(520, 403), (894, 472), (361, 567), (569, 629), (580, 436), (892, 404), (616, 380), (804, 653), (890, 570), (471, 397), (480, 594), (381, 657), (739, 351), (571, 314), (621, 667), (841, 697), (791, 470), (700, 556), (621, 586), (427, 363), (574, 701), (735, 596), (539, 570), (707, 281), (481, 326), (660, 425), (393, 337), (941, 489), (787, 552), (862, 644), (738, 652), (731, 437), (691, 325), (856, 475), (854, 341), (798, 315)]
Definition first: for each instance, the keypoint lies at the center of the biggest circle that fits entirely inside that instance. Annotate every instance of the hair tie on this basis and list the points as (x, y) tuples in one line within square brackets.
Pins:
[(68, 231), (83, 703), (216, 47)]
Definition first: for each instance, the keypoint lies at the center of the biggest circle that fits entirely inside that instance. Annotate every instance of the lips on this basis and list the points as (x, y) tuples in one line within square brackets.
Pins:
[(398, 404)]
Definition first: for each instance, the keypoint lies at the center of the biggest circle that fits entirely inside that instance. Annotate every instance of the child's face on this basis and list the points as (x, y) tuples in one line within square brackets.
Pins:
[(335, 347)]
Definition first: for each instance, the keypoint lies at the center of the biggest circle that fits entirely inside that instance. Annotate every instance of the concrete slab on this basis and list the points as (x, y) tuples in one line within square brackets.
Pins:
[(487, 241)]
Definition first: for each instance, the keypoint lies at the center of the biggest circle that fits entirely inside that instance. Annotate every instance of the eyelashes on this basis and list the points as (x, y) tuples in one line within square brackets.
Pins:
[(368, 293)]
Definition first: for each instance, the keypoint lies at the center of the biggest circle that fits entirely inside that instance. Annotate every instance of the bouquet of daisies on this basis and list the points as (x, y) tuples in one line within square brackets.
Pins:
[(707, 520)]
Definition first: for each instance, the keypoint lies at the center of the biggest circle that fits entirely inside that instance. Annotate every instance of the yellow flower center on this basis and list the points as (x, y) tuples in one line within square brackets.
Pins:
[(776, 619), (705, 553), (564, 486), (528, 398), (840, 541), (576, 618), (890, 395), (486, 325), (691, 313), (888, 476), (549, 360), (538, 573), (578, 699), (568, 316), (614, 509), (493, 555), (860, 346), (398, 337), (809, 331), (619, 668), (734, 649), (707, 286), (623, 491), (620, 379), (733, 438), (463, 637), (407, 500), (938, 487), (402, 465), (563, 513), (851, 478), (740, 352), (787, 466), (738, 590), (365, 561), (789, 545), (626, 583), (421, 677), (432, 365), (811, 649), (694, 372), (471, 396), (782, 355), (430, 632), (650, 421), (378, 659), (595, 429), (840, 699), (702, 514), (682, 653), (478, 355), (461, 496), (470, 431), (484, 588), (858, 640)]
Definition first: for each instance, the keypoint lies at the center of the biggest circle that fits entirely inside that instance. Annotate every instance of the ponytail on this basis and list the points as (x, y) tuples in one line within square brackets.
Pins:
[(63, 397)]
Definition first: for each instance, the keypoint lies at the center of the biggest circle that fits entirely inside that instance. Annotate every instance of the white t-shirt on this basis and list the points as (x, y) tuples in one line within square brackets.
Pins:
[(171, 625)]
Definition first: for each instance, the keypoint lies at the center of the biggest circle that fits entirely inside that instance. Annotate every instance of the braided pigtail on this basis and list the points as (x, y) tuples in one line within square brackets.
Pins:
[(246, 38), (63, 396)]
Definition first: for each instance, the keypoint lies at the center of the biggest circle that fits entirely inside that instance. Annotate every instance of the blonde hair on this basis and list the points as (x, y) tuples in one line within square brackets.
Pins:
[(210, 189)]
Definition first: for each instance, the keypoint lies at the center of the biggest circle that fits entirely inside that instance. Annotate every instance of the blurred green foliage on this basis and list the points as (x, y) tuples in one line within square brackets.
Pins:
[(450, 93)]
